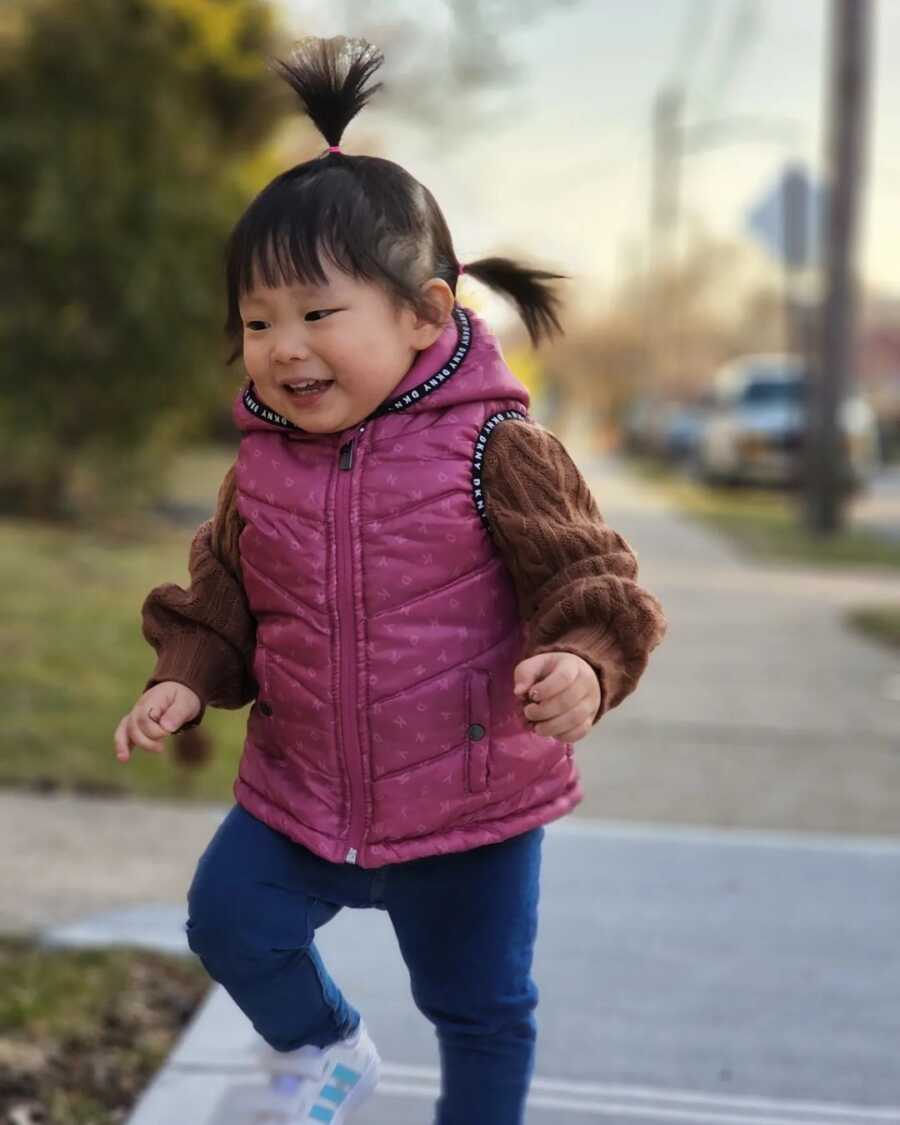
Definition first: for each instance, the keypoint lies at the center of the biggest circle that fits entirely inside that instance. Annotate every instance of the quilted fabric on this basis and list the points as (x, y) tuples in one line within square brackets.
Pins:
[(385, 728)]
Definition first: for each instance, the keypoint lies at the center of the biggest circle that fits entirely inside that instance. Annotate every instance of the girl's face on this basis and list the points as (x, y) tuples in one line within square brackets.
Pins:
[(346, 333)]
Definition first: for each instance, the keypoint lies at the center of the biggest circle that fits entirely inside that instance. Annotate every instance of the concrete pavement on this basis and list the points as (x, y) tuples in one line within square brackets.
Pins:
[(878, 508), (760, 709), (702, 976)]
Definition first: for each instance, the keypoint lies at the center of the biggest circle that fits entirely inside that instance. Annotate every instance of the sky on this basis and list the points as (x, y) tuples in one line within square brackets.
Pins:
[(555, 164)]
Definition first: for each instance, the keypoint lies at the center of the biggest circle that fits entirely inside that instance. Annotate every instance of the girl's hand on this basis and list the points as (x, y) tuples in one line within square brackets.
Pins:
[(162, 709), (565, 692)]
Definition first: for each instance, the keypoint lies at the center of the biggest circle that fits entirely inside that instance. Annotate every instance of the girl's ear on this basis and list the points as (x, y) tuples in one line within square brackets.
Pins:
[(438, 294)]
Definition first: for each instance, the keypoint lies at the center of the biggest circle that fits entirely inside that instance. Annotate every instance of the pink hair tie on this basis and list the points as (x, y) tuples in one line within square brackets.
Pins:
[(462, 268), (334, 148)]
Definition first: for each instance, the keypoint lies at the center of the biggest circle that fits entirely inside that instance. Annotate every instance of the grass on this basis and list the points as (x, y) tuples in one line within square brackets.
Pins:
[(766, 523), (75, 659), (83, 1032), (880, 622)]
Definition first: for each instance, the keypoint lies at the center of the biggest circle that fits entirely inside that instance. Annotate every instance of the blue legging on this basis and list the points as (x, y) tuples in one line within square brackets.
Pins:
[(466, 924)]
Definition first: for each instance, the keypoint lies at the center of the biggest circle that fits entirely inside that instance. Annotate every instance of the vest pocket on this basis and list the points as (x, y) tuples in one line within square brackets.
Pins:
[(478, 734), (259, 675), (264, 712)]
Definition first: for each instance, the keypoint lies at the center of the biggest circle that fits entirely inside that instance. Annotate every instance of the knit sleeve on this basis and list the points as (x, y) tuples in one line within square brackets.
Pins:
[(205, 635), (575, 577)]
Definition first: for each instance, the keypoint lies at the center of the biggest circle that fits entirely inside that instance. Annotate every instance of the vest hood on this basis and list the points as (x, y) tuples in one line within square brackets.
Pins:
[(465, 364)]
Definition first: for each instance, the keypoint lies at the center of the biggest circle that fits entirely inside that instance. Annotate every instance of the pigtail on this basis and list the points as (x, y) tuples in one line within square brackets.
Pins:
[(536, 301), (328, 76)]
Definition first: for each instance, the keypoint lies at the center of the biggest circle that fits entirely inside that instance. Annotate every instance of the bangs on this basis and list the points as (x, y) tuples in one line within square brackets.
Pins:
[(284, 240), (312, 217)]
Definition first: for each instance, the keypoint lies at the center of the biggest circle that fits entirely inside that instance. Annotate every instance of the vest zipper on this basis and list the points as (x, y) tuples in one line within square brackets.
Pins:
[(347, 634)]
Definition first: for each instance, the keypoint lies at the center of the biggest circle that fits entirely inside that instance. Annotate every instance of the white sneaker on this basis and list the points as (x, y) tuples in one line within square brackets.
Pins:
[(318, 1084)]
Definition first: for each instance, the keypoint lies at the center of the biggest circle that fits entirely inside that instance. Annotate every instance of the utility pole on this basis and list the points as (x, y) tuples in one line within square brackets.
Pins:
[(664, 227), (848, 80), (665, 191)]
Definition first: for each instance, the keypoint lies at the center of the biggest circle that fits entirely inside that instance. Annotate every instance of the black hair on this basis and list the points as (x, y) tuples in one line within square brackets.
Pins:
[(368, 216)]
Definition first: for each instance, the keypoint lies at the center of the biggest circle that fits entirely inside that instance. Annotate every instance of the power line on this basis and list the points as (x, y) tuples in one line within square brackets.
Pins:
[(699, 18), (743, 30)]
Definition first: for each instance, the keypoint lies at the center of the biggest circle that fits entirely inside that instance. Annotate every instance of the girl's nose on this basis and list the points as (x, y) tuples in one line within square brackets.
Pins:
[(290, 346)]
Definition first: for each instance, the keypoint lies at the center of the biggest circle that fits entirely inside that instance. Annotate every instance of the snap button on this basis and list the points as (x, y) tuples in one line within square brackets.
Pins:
[(476, 731), (265, 708)]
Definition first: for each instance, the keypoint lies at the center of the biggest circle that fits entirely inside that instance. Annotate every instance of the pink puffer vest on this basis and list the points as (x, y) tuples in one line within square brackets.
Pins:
[(385, 728)]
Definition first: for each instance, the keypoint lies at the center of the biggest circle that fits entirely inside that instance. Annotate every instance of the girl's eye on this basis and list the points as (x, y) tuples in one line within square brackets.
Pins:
[(259, 325)]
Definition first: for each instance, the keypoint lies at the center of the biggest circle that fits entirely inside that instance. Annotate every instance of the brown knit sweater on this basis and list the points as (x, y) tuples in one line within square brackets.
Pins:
[(575, 579)]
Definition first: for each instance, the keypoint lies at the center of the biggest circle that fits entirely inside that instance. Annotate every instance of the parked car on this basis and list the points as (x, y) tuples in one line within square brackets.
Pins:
[(755, 431), (642, 426), (682, 430)]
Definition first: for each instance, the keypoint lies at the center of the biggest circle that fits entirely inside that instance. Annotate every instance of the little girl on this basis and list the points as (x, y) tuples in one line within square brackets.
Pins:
[(410, 577)]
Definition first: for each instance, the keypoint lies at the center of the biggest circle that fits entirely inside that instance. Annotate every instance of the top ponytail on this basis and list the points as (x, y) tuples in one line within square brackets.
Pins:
[(328, 76), (368, 216)]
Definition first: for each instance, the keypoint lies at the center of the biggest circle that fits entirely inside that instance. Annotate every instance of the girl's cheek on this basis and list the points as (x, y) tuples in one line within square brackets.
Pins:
[(253, 355)]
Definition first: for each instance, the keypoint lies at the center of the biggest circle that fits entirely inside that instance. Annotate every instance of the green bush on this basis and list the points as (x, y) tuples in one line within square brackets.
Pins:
[(127, 131)]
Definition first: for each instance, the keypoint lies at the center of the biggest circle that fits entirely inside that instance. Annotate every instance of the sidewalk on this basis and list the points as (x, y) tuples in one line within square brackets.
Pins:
[(878, 508), (760, 709), (692, 976)]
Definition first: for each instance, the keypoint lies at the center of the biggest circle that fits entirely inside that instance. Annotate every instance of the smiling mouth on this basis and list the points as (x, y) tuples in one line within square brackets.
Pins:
[(313, 389)]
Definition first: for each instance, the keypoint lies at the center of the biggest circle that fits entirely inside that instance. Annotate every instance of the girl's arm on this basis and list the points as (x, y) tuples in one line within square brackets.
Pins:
[(575, 577), (204, 636)]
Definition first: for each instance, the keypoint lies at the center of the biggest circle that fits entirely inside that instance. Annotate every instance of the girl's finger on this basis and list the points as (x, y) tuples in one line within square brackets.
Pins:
[(553, 684), (120, 742), (561, 704), (150, 725), (137, 737), (573, 734), (552, 729), (559, 724)]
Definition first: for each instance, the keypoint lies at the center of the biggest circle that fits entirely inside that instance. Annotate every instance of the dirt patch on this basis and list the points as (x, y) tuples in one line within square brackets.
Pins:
[(82, 1033)]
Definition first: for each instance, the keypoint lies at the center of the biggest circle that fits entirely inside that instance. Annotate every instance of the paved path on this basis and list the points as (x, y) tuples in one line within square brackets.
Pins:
[(710, 978), (64, 857), (760, 709), (878, 508)]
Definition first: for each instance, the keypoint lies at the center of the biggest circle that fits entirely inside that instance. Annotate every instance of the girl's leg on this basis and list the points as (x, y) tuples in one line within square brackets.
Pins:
[(251, 922), (466, 924)]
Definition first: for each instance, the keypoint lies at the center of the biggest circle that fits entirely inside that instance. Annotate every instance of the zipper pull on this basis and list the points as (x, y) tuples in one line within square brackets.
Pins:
[(351, 856), (346, 461)]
